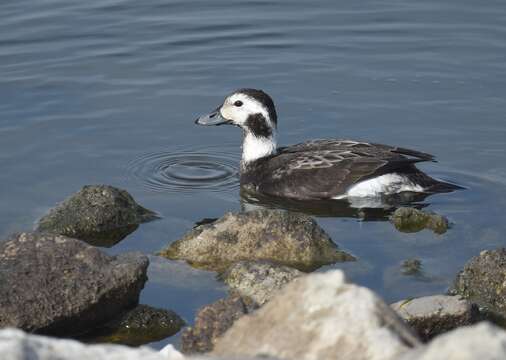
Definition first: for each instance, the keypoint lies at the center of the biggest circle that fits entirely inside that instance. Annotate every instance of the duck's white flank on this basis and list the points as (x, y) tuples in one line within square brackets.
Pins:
[(254, 147), (387, 184)]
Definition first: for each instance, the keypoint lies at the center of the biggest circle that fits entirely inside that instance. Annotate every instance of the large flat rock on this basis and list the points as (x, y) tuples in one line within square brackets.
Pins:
[(282, 237), (320, 316), (433, 315), (52, 284)]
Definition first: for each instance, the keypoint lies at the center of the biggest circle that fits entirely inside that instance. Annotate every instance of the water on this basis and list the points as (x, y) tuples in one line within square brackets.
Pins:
[(107, 91)]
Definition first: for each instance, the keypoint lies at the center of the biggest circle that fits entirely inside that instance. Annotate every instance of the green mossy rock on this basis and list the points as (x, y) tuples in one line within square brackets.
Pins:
[(101, 215), (410, 220)]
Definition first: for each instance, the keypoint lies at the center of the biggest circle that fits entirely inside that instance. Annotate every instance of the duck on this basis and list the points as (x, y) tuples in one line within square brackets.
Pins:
[(320, 169)]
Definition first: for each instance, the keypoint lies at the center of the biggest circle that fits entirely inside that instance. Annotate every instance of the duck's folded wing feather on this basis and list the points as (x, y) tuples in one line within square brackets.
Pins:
[(327, 173), (371, 149)]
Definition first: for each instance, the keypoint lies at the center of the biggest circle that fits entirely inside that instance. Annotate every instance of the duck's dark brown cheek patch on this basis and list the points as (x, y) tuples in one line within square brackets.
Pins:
[(257, 124)]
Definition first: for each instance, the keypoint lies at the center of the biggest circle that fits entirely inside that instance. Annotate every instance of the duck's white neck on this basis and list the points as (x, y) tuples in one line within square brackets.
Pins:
[(256, 147)]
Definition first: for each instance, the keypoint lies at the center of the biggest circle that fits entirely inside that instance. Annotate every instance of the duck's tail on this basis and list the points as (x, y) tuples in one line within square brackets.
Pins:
[(432, 185)]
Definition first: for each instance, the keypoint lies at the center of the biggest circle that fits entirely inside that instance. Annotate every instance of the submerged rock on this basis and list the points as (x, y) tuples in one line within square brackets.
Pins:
[(141, 325), (286, 238), (412, 267), (320, 316), (101, 215), (433, 315), (483, 341), (483, 281), (407, 219), (212, 321), (258, 281), (52, 284)]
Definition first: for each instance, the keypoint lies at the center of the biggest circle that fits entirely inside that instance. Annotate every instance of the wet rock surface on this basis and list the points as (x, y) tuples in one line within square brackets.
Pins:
[(409, 220), (483, 341), (483, 281), (433, 315), (259, 281), (319, 316), (141, 325), (212, 321), (52, 284), (286, 238), (101, 215)]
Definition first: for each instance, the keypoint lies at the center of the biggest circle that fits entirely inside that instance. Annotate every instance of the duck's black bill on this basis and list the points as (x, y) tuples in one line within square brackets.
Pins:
[(213, 118)]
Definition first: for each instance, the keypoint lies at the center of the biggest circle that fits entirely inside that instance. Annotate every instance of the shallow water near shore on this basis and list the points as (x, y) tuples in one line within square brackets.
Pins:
[(107, 91)]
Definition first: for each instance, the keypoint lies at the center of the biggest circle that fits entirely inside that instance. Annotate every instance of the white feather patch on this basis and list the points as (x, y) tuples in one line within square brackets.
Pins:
[(254, 148), (387, 184)]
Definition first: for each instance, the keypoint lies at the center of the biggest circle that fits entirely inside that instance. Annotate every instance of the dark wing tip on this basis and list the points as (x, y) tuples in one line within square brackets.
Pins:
[(421, 156)]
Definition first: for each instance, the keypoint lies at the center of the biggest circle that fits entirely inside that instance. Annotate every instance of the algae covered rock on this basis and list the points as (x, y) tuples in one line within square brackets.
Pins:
[(258, 281), (483, 281), (141, 325), (433, 315), (283, 237), (52, 284), (212, 321), (98, 214), (409, 220), (320, 316), (412, 267)]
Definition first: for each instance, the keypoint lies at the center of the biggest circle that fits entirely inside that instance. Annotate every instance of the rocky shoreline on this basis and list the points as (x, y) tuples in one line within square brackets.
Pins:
[(55, 281)]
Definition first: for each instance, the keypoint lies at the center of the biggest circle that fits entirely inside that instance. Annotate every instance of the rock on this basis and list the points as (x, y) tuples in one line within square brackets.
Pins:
[(412, 267), (212, 321), (483, 341), (17, 345), (98, 214), (433, 315), (319, 316), (52, 284), (483, 281), (286, 238), (258, 281), (139, 326), (407, 219)]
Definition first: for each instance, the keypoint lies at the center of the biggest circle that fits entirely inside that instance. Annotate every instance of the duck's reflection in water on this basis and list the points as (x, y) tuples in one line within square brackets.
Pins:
[(365, 209)]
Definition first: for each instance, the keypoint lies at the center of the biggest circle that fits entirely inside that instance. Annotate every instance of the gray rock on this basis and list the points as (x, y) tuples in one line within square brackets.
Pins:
[(258, 281), (433, 315), (320, 316), (141, 325), (407, 219), (483, 281), (52, 284), (483, 341), (286, 238), (212, 321), (17, 345), (98, 214)]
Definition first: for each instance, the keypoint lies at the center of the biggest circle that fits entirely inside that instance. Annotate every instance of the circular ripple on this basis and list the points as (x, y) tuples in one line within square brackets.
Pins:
[(186, 171)]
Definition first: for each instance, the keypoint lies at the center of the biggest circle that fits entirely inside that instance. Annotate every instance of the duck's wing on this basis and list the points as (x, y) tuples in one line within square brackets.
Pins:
[(338, 145), (332, 168)]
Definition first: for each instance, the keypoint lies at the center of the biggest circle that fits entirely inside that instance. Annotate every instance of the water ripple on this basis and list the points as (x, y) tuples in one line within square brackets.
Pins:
[(186, 170)]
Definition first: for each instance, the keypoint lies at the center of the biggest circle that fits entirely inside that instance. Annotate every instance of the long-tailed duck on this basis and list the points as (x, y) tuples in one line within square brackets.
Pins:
[(317, 169)]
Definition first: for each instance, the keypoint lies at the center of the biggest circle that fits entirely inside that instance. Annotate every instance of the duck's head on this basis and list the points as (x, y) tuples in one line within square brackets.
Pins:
[(254, 112)]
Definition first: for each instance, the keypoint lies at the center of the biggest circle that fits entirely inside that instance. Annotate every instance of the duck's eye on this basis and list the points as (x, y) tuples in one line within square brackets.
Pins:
[(238, 103)]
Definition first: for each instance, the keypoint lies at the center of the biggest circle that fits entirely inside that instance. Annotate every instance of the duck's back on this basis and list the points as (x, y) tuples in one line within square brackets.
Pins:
[(323, 169)]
